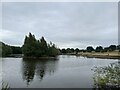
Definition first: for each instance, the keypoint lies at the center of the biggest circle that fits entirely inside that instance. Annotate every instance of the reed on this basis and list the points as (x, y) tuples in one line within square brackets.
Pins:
[(5, 86)]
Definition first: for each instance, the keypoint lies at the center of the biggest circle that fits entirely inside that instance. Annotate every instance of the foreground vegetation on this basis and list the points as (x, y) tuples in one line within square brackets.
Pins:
[(5, 86), (107, 77)]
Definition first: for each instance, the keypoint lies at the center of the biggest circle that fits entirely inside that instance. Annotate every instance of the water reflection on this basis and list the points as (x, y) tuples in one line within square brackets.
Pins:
[(38, 68), (107, 77)]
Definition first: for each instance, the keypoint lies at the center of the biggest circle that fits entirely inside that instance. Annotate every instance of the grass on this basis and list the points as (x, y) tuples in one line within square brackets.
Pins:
[(5, 86), (113, 54)]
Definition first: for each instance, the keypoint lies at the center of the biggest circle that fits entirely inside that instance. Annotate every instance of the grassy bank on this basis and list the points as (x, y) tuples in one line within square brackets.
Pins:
[(111, 55)]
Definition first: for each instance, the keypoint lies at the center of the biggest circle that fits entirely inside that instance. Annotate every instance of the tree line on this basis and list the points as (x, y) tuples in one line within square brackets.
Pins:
[(33, 47), (6, 50), (90, 49), (39, 48)]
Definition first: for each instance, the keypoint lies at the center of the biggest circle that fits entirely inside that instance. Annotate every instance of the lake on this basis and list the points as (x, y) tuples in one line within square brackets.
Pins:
[(66, 71)]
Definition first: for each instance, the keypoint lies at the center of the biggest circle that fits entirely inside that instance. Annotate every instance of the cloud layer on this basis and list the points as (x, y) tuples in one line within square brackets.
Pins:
[(67, 24)]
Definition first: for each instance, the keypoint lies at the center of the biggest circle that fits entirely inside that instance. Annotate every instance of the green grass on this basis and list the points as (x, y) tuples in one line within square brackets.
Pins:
[(5, 86)]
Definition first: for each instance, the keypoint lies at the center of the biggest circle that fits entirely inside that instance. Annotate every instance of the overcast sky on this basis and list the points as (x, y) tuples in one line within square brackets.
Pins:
[(66, 24)]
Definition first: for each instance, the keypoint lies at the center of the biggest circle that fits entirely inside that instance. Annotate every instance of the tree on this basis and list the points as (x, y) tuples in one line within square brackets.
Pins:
[(68, 50), (29, 48), (118, 47), (99, 49), (38, 48), (72, 50), (43, 46), (16, 50), (112, 47), (82, 50), (90, 49), (106, 49), (6, 50), (53, 51), (63, 50), (77, 50)]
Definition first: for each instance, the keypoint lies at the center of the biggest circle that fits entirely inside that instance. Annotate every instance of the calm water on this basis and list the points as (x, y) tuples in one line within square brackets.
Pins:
[(62, 72)]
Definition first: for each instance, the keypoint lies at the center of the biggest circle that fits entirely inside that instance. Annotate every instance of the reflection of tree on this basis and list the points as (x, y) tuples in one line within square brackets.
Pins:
[(28, 70), (38, 67), (107, 77), (44, 66)]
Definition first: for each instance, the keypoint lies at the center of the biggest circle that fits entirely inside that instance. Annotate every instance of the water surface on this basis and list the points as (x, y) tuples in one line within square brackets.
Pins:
[(62, 72)]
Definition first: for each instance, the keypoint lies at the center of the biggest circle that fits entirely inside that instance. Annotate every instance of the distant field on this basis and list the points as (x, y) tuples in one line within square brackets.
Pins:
[(113, 54)]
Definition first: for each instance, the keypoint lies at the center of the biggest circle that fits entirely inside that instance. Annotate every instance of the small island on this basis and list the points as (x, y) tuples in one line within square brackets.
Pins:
[(38, 48)]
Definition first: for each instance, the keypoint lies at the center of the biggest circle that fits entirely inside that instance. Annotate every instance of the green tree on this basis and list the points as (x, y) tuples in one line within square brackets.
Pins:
[(16, 50), (53, 51), (77, 50), (43, 46), (29, 48), (90, 49), (72, 50), (99, 49), (63, 50), (118, 47), (106, 49), (6, 50), (82, 50), (38, 48), (112, 47), (68, 50)]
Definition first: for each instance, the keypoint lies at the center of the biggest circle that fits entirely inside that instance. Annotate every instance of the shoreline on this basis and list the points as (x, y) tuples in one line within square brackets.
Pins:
[(103, 55), (40, 57)]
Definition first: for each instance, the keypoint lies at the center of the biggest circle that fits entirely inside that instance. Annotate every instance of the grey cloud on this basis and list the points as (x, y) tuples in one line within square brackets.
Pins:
[(67, 24)]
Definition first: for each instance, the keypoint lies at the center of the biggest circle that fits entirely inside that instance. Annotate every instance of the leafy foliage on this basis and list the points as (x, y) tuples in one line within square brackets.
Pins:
[(76, 50), (118, 48), (99, 49), (16, 50), (112, 47), (63, 50), (6, 49), (38, 48), (90, 49), (69, 50), (5, 86), (107, 77)]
